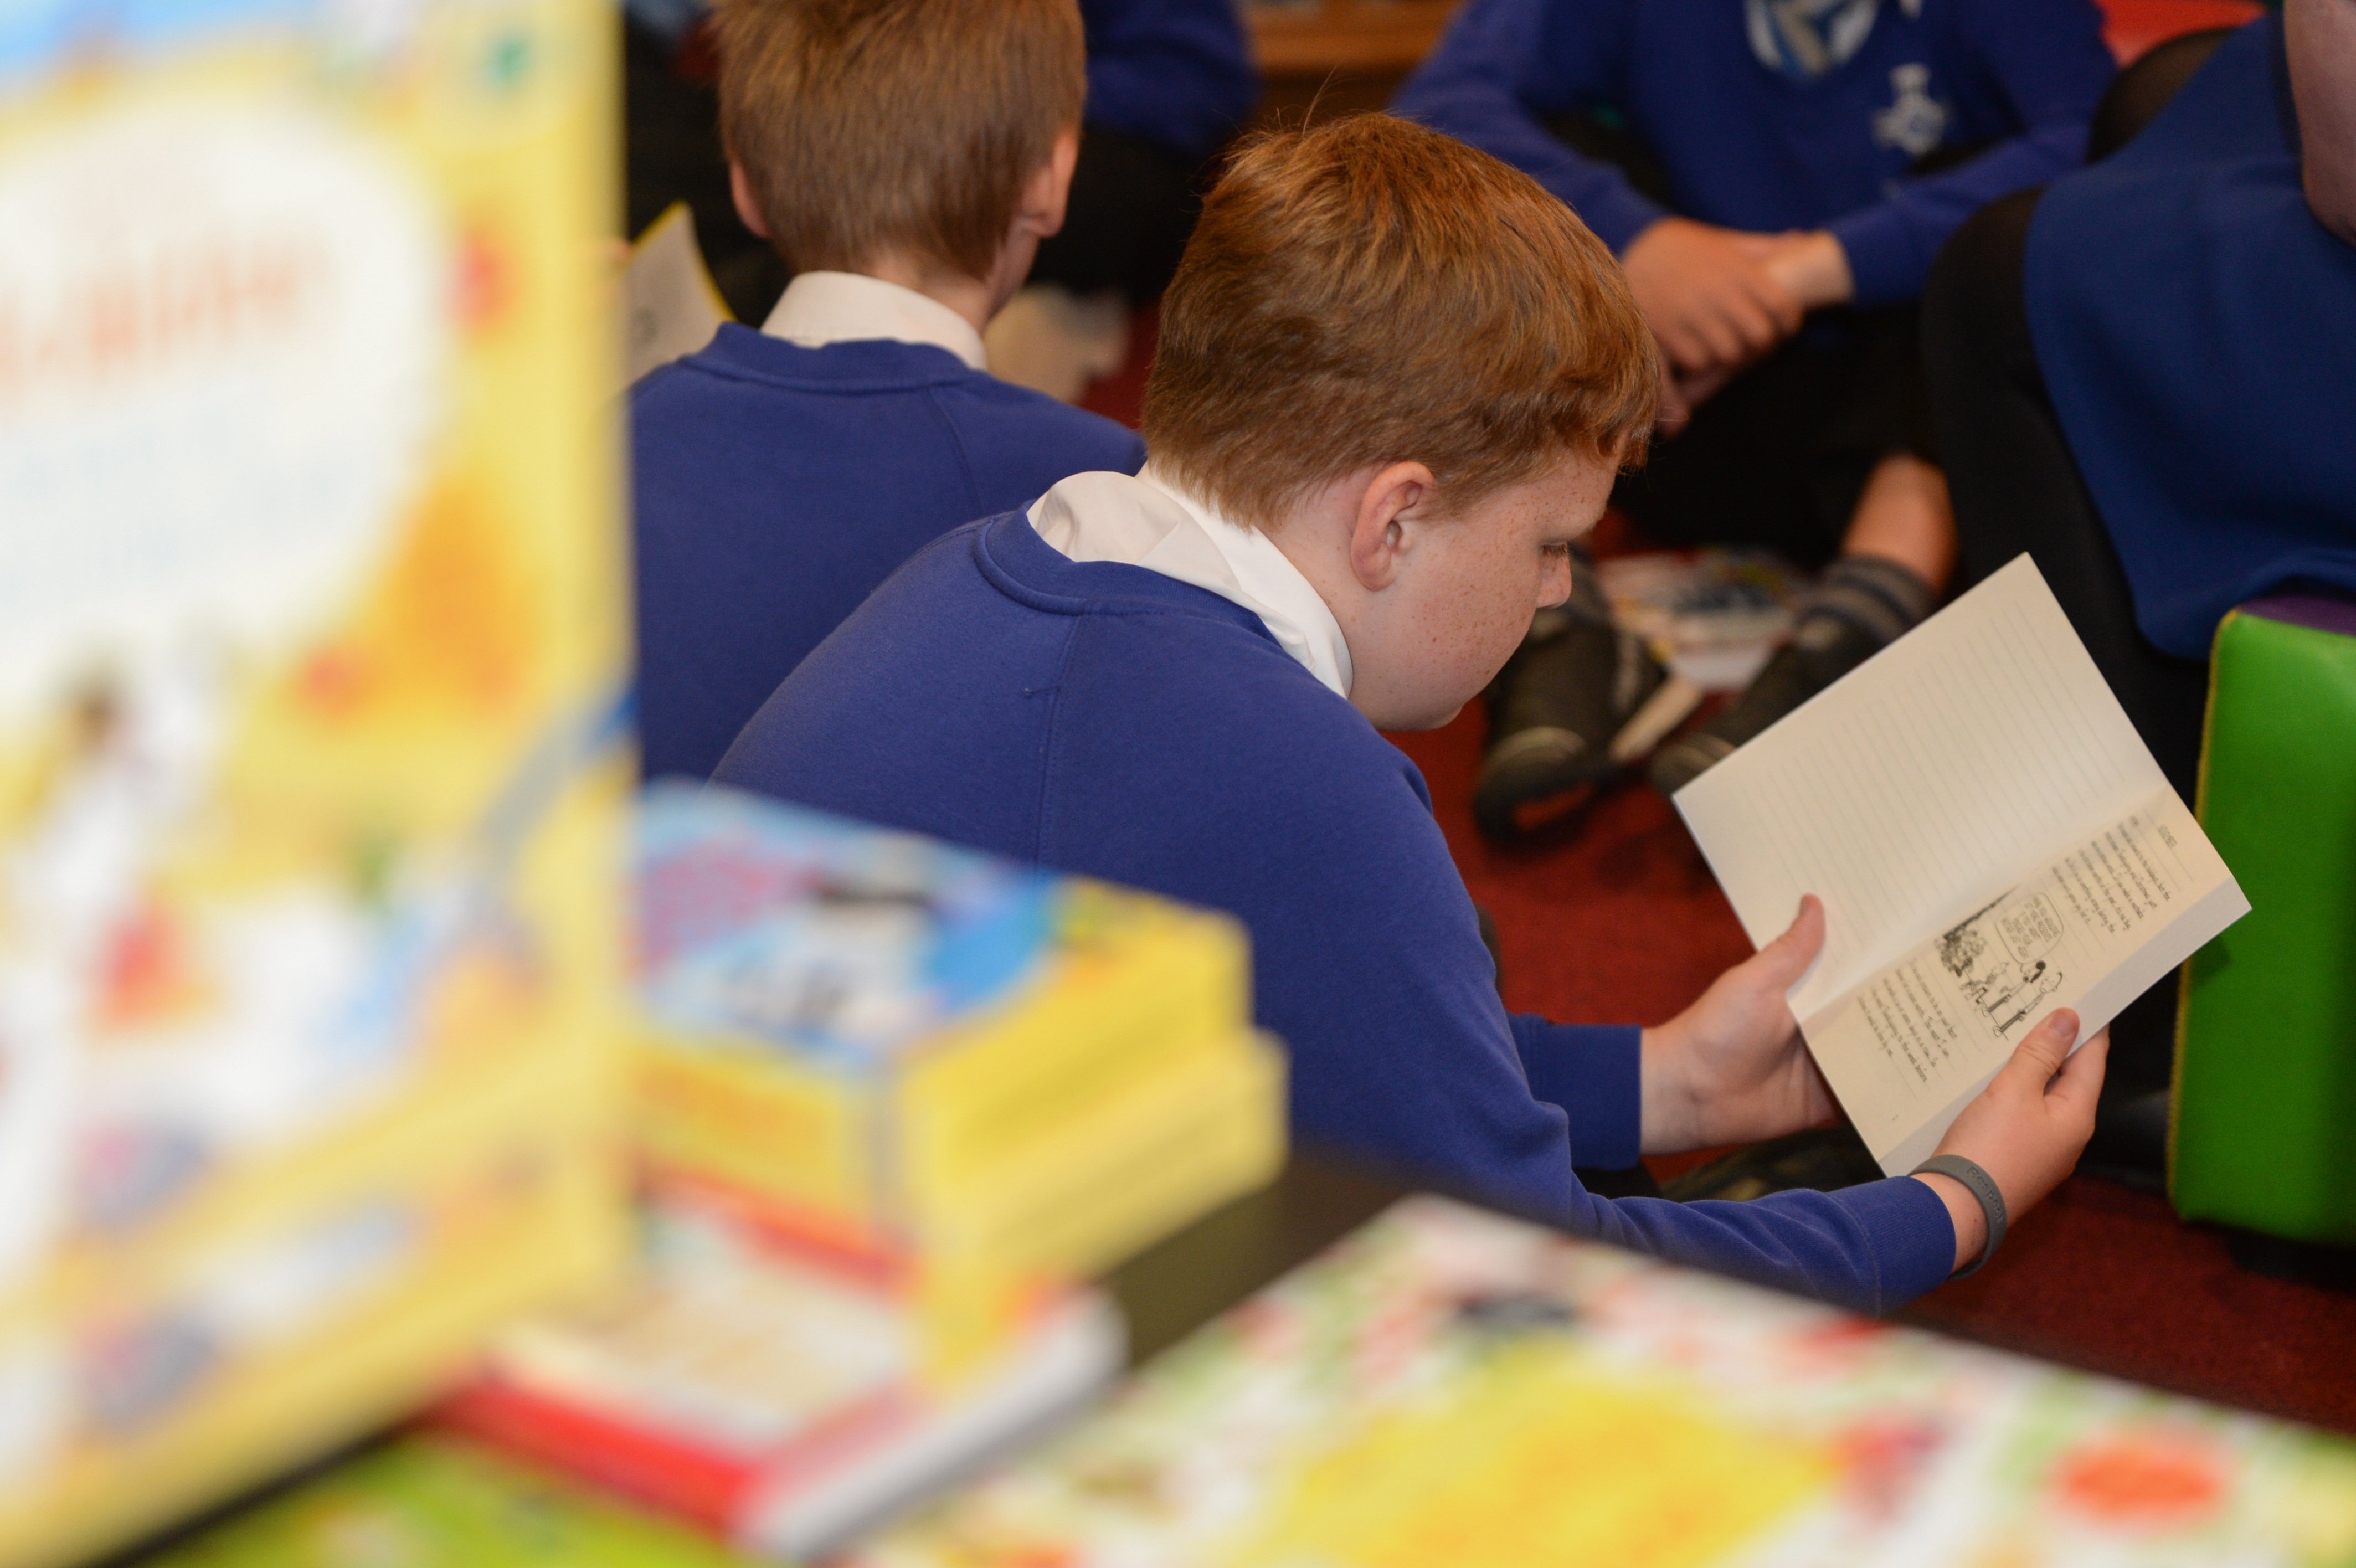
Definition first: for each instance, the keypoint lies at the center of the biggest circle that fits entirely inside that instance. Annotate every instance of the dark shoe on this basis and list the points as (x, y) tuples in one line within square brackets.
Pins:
[(1821, 652), (1821, 1159), (1580, 701)]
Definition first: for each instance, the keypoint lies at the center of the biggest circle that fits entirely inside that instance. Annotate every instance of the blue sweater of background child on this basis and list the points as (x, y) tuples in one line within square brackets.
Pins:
[(2196, 326), (1175, 72), (778, 485), (1104, 719), (1748, 147)]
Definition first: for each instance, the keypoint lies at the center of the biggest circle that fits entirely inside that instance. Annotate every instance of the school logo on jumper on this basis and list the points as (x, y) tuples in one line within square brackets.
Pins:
[(1805, 38), (1915, 122)]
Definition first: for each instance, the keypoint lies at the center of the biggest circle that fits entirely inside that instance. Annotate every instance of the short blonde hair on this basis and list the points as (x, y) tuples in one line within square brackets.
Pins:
[(874, 126), (1368, 291)]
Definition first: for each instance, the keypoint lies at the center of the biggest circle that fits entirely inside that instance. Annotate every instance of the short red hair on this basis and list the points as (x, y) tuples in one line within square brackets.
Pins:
[(1368, 291)]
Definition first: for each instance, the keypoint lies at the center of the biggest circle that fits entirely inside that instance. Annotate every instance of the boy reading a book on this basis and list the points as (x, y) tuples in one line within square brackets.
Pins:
[(1396, 381), (905, 158)]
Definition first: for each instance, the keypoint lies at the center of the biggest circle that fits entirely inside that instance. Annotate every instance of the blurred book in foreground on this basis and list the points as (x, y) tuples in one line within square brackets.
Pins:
[(311, 632), (895, 1045), (1447, 1386), (775, 1395), (433, 1501)]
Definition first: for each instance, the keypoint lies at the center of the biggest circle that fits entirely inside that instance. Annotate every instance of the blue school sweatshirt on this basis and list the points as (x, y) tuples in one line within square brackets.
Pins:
[(1747, 148), (1103, 719), (776, 485), (1172, 72), (2196, 325)]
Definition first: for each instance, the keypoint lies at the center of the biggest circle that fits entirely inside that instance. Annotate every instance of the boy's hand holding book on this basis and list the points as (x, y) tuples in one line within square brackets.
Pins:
[(1732, 1068), (2027, 1128), (2001, 864)]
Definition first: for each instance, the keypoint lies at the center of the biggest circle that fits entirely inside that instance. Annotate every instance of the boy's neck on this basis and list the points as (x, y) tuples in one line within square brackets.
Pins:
[(973, 298)]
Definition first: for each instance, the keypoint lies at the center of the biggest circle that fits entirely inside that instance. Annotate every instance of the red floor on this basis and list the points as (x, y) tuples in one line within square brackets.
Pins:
[(1617, 918)]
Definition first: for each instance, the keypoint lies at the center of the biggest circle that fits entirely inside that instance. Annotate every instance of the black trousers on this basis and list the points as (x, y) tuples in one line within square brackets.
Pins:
[(1780, 456), (2017, 489), (1132, 207)]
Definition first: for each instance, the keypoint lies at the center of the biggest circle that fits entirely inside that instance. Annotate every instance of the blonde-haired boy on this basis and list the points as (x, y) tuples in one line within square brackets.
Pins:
[(905, 158), (1396, 381)]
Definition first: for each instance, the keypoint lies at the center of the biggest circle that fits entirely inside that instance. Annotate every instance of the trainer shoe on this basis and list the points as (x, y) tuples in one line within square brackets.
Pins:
[(1820, 653), (1580, 700)]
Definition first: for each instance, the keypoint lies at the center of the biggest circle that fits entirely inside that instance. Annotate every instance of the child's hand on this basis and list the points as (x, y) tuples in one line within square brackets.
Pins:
[(1709, 295), (2026, 1127), (1808, 263), (1731, 1068)]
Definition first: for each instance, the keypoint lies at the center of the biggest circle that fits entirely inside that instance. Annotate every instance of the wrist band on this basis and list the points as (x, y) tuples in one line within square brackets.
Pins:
[(1980, 1185)]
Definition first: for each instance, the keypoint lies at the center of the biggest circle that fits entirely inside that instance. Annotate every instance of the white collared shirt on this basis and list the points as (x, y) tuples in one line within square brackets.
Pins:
[(1148, 521), (819, 309)]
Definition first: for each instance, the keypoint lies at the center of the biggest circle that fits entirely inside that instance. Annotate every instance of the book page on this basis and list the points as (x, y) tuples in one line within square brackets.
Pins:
[(668, 304), (1927, 782), (1908, 1048)]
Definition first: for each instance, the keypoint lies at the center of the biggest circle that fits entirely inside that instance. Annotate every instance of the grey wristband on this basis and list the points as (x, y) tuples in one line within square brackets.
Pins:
[(1980, 1185)]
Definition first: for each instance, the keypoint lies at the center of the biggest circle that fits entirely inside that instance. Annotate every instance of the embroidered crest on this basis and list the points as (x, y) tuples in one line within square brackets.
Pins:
[(1805, 38), (1915, 122)]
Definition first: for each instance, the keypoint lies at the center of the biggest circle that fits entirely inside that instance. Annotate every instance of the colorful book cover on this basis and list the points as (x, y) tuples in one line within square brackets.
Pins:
[(312, 634), (771, 1393), (433, 1501), (1450, 1387), (881, 1027)]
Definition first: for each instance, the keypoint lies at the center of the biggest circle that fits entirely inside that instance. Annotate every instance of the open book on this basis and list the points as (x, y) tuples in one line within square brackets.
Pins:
[(1991, 840), (670, 305)]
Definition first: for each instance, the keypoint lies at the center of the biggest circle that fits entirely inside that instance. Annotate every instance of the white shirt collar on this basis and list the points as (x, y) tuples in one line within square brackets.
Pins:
[(1148, 521), (819, 309)]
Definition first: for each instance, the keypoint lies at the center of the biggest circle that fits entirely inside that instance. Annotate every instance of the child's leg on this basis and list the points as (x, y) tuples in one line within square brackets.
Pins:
[(1904, 517), (1895, 559), (1871, 468)]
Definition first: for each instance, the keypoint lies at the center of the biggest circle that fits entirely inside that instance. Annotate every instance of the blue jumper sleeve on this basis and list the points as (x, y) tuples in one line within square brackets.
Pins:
[(1173, 72), (1870, 1248), (1502, 64), (1594, 1073), (2051, 66)]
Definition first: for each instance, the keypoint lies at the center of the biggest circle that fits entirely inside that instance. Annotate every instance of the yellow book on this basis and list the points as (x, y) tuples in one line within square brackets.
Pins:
[(853, 1021), (312, 633)]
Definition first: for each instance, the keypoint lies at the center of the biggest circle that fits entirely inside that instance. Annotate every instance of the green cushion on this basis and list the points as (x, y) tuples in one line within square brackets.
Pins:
[(2264, 1134)]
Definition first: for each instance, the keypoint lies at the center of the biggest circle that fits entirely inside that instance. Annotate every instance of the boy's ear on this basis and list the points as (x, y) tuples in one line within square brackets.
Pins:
[(1049, 190), (1380, 539), (748, 207)]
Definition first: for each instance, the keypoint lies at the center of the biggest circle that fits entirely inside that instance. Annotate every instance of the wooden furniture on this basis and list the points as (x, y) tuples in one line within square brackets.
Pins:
[(1340, 56)]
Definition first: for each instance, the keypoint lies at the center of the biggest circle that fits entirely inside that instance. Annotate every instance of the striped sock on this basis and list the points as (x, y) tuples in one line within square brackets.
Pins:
[(1863, 593)]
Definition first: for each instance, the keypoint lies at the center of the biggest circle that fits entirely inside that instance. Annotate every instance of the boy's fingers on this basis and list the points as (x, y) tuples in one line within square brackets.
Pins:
[(2043, 1049), (1685, 348), (1715, 335), (1782, 310), (1750, 322), (2080, 1081), (1789, 955)]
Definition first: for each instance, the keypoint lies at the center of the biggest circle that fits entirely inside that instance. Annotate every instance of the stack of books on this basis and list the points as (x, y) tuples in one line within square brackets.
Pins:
[(310, 816), (775, 1395), (893, 1096), (893, 1044)]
